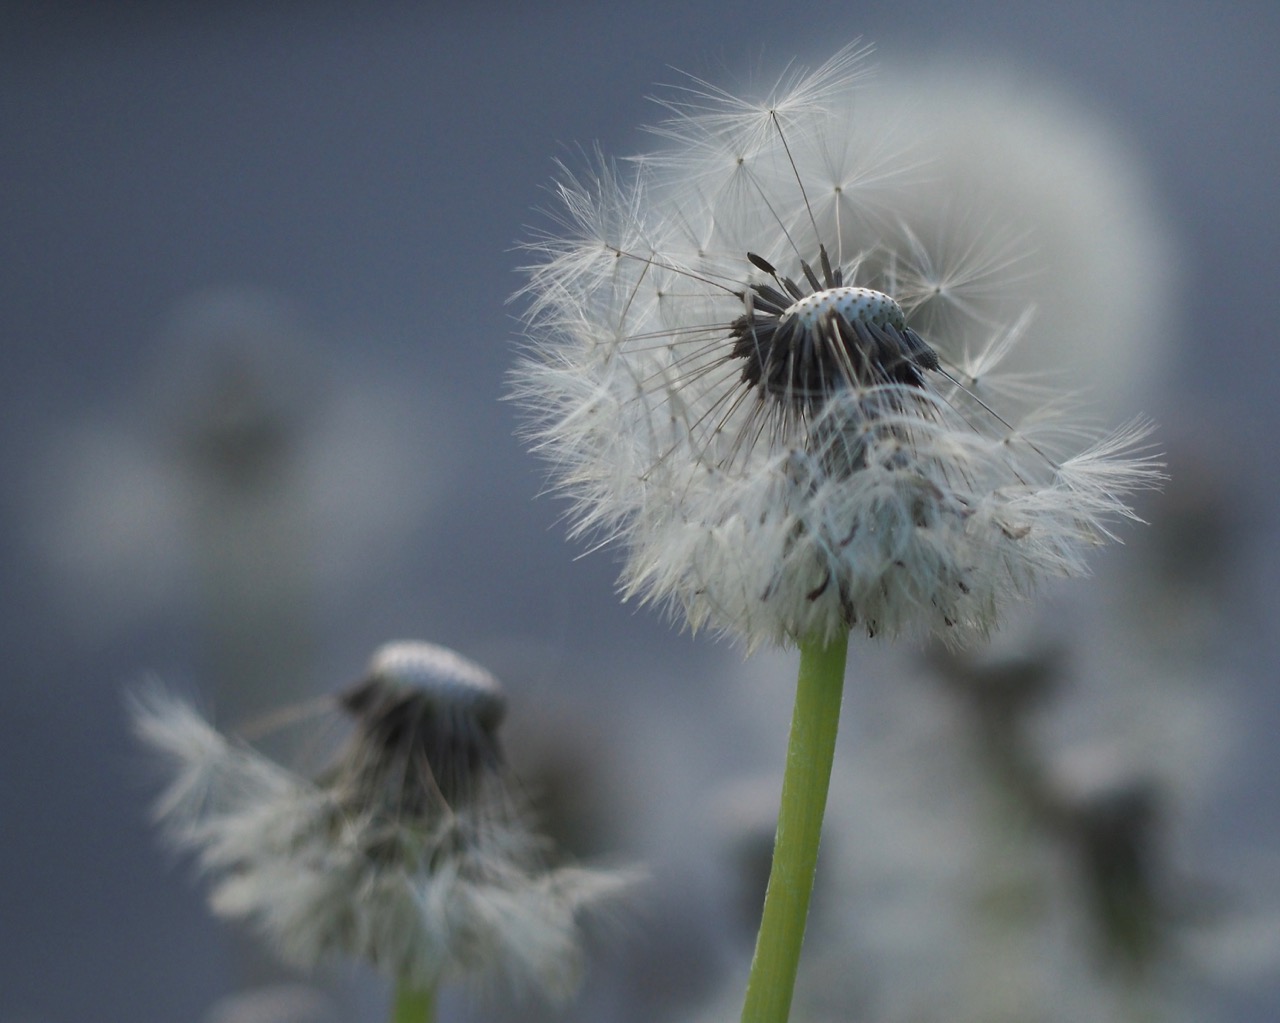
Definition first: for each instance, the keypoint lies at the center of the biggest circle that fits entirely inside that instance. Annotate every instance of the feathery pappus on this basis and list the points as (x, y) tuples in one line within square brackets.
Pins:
[(779, 395), (412, 850)]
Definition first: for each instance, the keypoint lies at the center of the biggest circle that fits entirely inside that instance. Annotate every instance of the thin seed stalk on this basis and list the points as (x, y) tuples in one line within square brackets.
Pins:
[(413, 1004), (810, 751)]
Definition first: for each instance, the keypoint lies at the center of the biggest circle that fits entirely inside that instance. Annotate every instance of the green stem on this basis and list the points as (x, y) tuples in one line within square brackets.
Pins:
[(810, 752), (413, 1005)]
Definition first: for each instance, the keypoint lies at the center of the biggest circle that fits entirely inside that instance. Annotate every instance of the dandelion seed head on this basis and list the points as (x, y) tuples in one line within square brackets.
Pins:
[(817, 440), (412, 850)]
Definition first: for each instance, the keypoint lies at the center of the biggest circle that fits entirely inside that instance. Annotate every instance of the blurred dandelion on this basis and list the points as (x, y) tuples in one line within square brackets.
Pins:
[(412, 851), (751, 368)]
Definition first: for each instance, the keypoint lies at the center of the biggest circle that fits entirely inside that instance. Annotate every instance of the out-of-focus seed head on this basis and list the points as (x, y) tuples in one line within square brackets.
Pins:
[(413, 851), (427, 723)]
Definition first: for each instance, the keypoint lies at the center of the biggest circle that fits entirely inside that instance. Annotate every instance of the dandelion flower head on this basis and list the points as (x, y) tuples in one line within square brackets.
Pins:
[(779, 394), (411, 851)]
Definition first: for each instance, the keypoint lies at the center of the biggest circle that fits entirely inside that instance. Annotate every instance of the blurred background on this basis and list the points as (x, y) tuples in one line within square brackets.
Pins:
[(255, 324)]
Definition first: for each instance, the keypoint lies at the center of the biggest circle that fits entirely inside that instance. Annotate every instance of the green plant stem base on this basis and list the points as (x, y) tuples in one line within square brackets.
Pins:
[(810, 752), (413, 1005)]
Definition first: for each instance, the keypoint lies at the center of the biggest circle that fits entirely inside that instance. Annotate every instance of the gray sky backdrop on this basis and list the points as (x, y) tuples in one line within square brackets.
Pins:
[(372, 166)]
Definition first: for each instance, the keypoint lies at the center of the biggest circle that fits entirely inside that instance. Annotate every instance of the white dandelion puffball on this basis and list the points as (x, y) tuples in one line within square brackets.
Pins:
[(412, 851), (754, 370)]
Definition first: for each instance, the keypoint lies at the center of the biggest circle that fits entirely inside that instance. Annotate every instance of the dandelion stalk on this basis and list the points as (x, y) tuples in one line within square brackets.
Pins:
[(810, 750), (413, 1004)]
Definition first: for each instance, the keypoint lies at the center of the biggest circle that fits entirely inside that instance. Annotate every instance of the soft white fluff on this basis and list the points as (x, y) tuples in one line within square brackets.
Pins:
[(889, 507), (461, 894)]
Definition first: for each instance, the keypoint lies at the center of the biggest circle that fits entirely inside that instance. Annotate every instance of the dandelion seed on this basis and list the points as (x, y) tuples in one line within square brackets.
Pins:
[(412, 851), (758, 377)]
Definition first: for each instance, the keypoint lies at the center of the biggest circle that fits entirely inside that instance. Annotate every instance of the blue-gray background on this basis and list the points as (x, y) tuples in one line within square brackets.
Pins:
[(372, 165)]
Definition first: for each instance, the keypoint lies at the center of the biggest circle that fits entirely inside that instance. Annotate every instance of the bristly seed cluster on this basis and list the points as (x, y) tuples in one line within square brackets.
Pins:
[(784, 451), (798, 348), (411, 852)]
